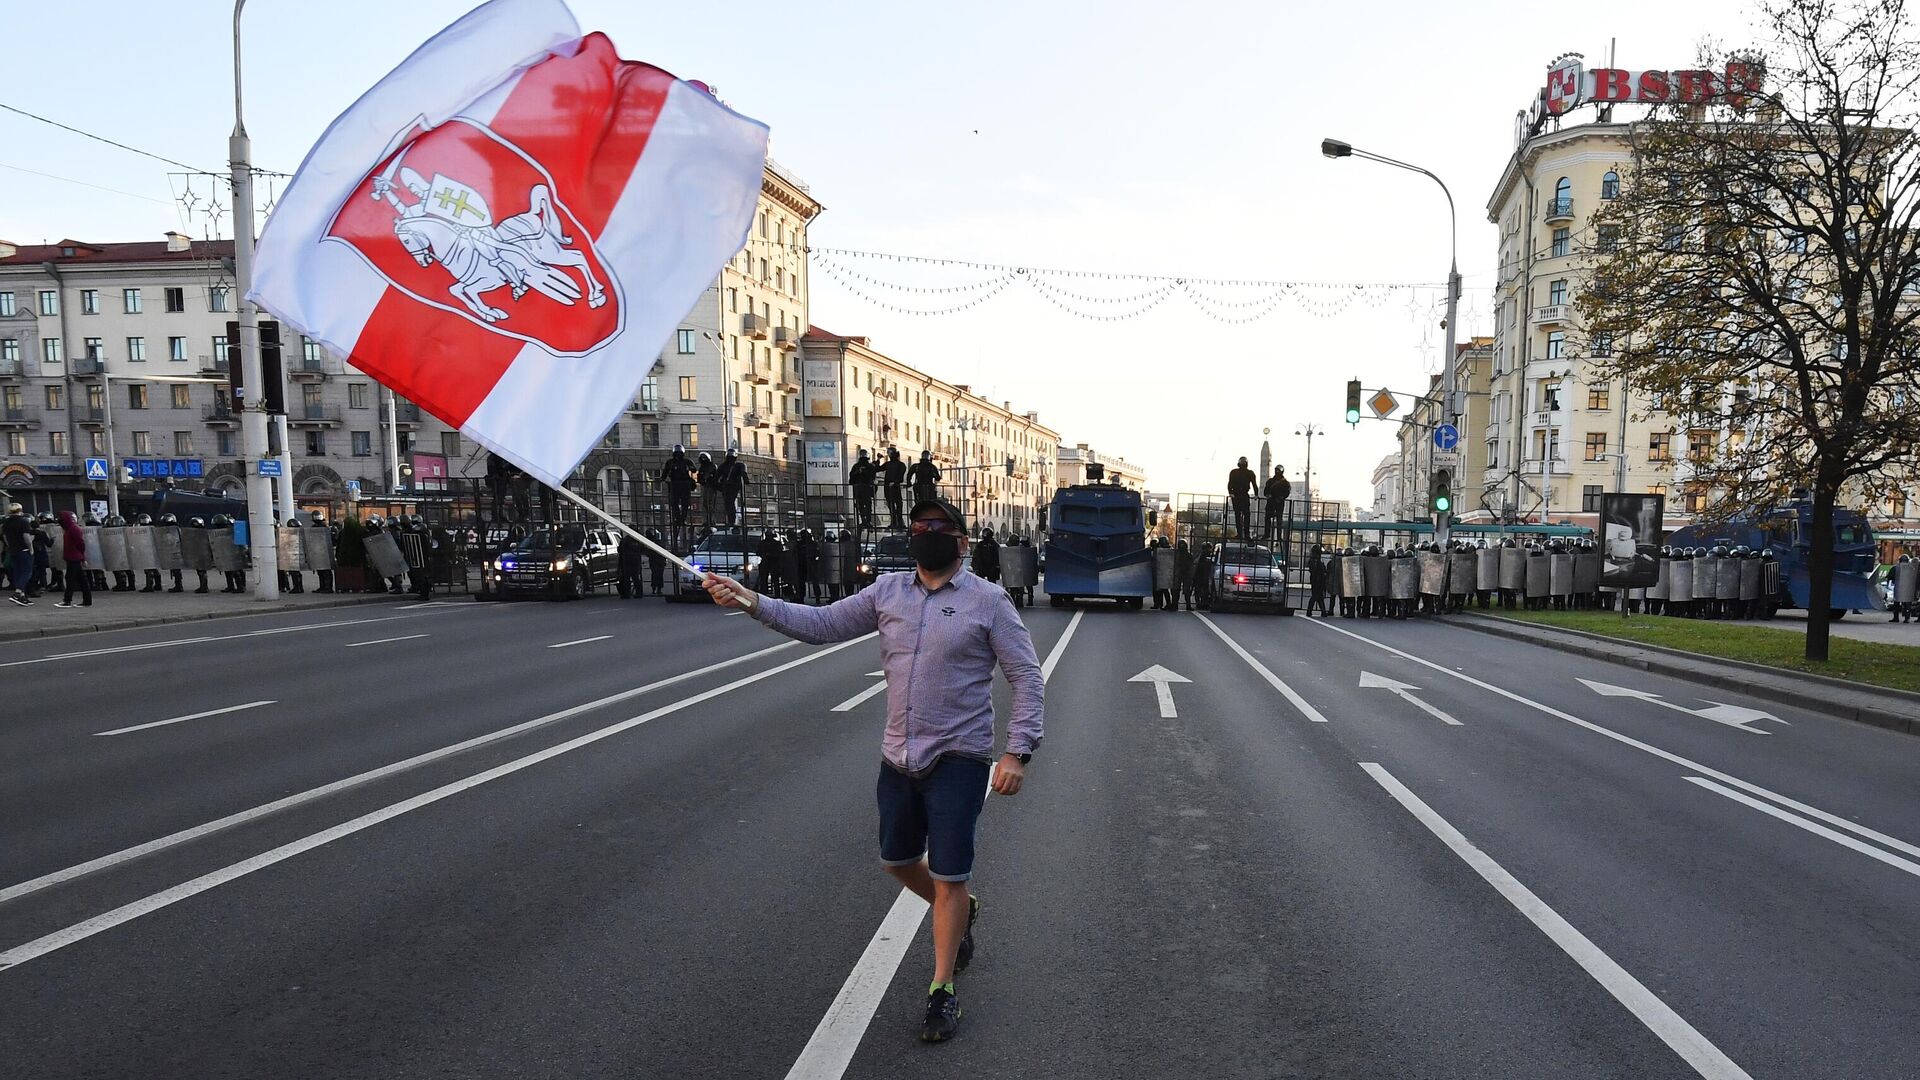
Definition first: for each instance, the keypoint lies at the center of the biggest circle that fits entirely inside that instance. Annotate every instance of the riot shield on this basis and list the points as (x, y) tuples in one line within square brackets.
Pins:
[(1377, 577), (829, 565), (1586, 572), (316, 541), (226, 553), (1433, 572), (1486, 569), (1405, 575), (1537, 576), (1019, 567), (1749, 579), (196, 550), (383, 555), (1353, 575), (1163, 569), (55, 541), (166, 547), (1513, 569), (1664, 583), (412, 548), (96, 552), (141, 555), (1706, 572), (1726, 581), (1461, 572), (1770, 582), (1680, 581), (287, 544), (1559, 574), (113, 549), (1906, 582)]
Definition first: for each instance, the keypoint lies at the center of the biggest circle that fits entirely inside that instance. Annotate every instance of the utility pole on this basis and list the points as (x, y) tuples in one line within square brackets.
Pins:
[(253, 411), (1309, 430)]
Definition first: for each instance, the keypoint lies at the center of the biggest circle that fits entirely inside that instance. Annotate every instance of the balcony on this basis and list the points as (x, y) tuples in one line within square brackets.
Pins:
[(220, 416), (644, 407), (85, 366), (756, 420), (12, 369), (785, 338), (1553, 315), (19, 417), (1544, 417), (211, 365), (786, 385), (312, 368), (758, 378), (314, 415), (1559, 210), (91, 415), (753, 327), (790, 427), (406, 415)]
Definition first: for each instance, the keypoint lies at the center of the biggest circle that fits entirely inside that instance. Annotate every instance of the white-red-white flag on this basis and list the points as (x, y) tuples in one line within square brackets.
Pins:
[(509, 226)]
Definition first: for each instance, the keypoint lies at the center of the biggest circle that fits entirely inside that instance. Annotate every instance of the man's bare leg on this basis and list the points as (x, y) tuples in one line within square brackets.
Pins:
[(949, 902)]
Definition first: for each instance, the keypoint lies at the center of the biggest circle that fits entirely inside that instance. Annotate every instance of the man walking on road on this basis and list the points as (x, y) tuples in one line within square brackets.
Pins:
[(942, 630), (19, 543)]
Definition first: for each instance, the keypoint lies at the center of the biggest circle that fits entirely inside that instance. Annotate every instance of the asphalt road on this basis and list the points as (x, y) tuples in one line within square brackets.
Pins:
[(613, 839)]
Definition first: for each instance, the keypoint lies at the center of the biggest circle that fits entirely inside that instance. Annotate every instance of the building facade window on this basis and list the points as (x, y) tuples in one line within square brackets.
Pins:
[(57, 443), (1696, 502), (143, 442), (182, 395), (49, 302), (450, 444), (136, 395), (690, 435), (650, 435), (95, 349), (1597, 395), (650, 394), (362, 443), (1607, 238), (612, 437), (310, 351), (316, 444), (89, 301), (1562, 196), (1601, 344), (1562, 241), (1590, 498), (183, 444), (7, 309), (689, 389), (1610, 185), (130, 301), (220, 351), (50, 351), (176, 299), (17, 444), (176, 348), (56, 396), (685, 343), (223, 443), (357, 395), (1556, 344), (1557, 291), (10, 351), (1596, 445), (96, 443), (137, 350), (1699, 445), (219, 298)]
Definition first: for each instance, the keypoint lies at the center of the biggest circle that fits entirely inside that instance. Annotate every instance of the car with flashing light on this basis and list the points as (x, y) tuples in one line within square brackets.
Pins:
[(729, 554), (887, 555), (1249, 576), (558, 562)]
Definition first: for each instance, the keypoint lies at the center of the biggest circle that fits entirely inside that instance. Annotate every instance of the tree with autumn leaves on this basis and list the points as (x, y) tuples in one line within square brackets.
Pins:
[(1758, 278)]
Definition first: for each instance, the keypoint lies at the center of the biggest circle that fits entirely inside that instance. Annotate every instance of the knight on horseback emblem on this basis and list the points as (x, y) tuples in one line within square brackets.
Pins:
[(451, 223)]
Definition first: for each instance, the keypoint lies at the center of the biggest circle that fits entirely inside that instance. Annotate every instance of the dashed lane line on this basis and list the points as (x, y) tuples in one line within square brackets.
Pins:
[(385, 640), (171, 643), (582, 641), (190, 716)]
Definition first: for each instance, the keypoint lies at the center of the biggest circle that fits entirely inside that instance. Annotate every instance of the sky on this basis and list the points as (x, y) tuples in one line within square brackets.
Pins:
[(1112, 138)]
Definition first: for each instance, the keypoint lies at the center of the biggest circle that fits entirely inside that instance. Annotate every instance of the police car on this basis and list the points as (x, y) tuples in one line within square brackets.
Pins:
[(727, 554), (1249, 574), (561, 563)]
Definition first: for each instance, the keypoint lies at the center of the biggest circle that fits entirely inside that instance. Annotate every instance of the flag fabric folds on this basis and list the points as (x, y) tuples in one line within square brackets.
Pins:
[(508, 228)]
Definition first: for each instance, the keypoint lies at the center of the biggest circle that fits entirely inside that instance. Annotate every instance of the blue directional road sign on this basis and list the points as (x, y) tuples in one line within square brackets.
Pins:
[(270, 467), (1446, 437), (96, 468)]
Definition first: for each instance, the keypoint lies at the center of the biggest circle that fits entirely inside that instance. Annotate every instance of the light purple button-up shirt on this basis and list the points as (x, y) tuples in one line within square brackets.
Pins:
[(938, 649)]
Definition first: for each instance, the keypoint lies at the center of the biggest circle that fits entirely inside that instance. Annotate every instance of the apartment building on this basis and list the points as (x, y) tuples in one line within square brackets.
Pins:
[(997, 458)]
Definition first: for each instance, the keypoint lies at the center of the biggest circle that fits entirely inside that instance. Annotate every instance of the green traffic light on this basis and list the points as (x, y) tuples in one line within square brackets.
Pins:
[(1353, 416), (1442, 504)]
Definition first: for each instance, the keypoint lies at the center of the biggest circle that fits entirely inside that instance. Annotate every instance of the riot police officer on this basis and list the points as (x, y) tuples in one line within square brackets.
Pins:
[(986, 557), (236, 579), (707, 476), (47, 569), (150, 578), (656, 562), (169, 521), (1240, 481), (861, 478), (326, 576), (630, 554), (733, 481), (678, 475), (925, 478), (122, 579), (1182, 576), (293, 580), (892, 475), (201, 524), (1317, 584)]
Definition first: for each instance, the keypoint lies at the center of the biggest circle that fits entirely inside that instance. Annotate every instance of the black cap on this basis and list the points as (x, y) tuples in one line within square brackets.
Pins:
[(953, 512)]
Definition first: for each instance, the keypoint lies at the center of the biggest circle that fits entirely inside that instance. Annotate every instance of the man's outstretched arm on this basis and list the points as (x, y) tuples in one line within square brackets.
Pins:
[(842, 620)]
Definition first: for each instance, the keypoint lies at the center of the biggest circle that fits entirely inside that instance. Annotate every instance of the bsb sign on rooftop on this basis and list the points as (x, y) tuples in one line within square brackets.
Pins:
[(1570, 84)]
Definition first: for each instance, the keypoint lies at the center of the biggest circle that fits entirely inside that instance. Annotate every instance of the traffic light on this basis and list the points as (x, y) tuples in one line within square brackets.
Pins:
[(1353, 401), (1440, 493)]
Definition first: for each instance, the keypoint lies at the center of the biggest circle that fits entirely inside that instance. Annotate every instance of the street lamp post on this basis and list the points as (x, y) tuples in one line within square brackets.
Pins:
[(1334, 148), (1309, 430), (253, 411)]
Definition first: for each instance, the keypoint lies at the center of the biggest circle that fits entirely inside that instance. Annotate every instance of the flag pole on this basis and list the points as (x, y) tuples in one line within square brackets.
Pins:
[(747, 597)]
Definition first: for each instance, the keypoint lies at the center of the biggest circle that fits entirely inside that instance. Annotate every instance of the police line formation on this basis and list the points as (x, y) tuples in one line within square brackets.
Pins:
[(87, 555)]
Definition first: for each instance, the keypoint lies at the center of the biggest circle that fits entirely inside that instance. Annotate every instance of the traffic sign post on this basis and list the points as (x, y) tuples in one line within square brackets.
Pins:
[(97, 469), (1446, 437), (270, 467)]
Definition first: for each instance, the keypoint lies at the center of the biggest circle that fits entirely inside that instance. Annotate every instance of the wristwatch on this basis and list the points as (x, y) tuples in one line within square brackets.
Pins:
[(1024, 758)]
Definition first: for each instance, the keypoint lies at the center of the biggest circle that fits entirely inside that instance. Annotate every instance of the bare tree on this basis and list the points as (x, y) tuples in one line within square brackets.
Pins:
[(1759, 276)]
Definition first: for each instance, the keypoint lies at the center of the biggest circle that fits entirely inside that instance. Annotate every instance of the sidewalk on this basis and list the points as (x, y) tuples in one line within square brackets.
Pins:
[(122, 611), (1893, 709), (1860, 626)]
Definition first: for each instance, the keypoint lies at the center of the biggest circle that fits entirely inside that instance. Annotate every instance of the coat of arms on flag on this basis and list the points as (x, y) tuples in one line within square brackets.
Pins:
[(510, 226)]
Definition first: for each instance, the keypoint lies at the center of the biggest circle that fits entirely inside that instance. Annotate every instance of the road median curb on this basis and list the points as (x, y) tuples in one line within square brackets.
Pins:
[(1895, 710), (135, 623)]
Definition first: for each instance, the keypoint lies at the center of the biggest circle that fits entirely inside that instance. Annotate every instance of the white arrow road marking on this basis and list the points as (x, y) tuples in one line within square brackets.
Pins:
[(183, 719), (854, 702), (1369, 681), (1682, 1037), (582, 641), (1734, 716), (1162, 681)]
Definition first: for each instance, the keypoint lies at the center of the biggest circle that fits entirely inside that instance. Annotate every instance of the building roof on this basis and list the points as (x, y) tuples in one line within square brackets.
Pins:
[(815, 333), (125, 252)]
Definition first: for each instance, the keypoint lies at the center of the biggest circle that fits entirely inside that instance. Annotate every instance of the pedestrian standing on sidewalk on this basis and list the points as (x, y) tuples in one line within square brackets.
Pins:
[(73, 549), (18, 532), (942, 630)]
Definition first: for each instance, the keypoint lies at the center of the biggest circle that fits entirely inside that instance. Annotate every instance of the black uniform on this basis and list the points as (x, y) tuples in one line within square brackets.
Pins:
[(925, 478), (862, 477), (892, 475), (707, 475), (1240, 482), (656, 563), (1317, 598), (1276, 491), (805, 552), (986, 558), (677, 474), (1182, 576), (733, 480), (630, 553), (770, 551)]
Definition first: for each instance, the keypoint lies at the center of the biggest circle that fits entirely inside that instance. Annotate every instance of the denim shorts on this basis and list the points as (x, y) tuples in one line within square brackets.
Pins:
[(932, 815)]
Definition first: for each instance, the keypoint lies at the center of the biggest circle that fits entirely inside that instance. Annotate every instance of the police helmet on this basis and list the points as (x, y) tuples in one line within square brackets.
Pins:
[(893, 451), (679, 448), (706, 458), (169, 519), (116, 521), (861, 453), (373, 521), (222, 521), (143, 519), (926, 455), (197, 522), (44, 518)]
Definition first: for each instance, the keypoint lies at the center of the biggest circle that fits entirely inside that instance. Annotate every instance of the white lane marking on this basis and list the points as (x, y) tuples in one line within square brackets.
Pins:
[(383, 641), (582, 641), (184, 719), (1286, 691), (1403, 691), (125, 913), (854, 702), (1693, 1047), (1813, 827), (831, 1047), (170, 643), (371, 775), (1686, 763)]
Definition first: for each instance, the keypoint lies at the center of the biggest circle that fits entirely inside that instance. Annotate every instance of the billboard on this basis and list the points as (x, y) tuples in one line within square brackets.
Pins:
[(822, 389), (824, 462), (1630, 532)]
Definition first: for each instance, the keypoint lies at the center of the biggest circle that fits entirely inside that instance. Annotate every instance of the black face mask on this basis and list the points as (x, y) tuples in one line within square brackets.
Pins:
[(934, 550)]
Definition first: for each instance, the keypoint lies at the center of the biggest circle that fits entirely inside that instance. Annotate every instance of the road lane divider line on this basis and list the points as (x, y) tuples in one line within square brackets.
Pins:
[(582, 641), (1813, 827), (1834, 820), (384, 641), (1275, 681), (1694, 1048), (370, 776), (80, 931), (835, 1039), (190, 716), (115, 650), (855, 701)]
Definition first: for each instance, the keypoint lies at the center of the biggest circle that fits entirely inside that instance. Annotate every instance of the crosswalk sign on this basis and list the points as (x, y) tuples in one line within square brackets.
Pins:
[(96, 468)]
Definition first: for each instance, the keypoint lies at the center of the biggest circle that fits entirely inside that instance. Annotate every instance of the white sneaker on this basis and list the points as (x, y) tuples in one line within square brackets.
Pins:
[(62, 603)]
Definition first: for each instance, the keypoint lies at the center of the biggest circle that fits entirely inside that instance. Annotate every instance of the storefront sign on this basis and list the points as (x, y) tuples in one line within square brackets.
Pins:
[(1570, 85), (155, 468)]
